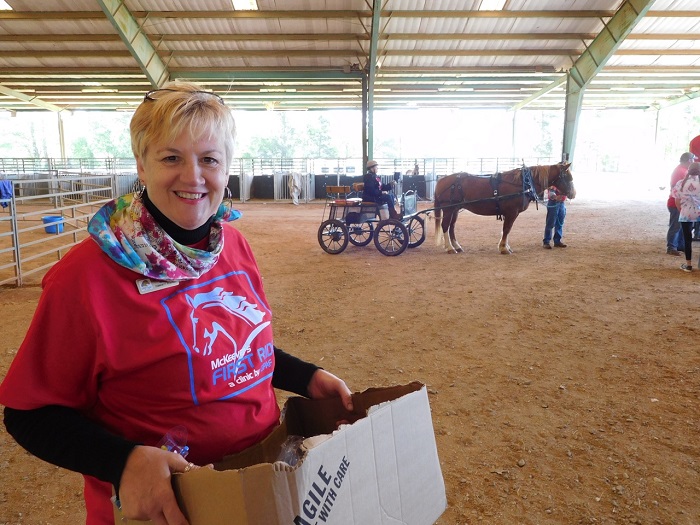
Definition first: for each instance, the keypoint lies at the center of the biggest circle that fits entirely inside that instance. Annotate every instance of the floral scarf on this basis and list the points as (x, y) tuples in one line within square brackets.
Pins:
[(130, 236)]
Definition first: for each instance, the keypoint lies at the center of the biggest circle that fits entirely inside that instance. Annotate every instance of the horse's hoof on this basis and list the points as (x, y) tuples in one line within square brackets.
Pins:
[(451, 251), (460, 250)]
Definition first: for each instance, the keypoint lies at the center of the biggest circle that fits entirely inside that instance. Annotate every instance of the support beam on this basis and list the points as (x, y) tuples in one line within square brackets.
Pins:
[(683, 98), (592, 61), (32, 100), (371, 74), (539, 93), (136, 41)]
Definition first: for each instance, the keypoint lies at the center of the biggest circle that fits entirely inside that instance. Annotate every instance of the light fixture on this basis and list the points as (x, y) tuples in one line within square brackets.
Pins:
[(4, 6), (492, 5), (245, 5)]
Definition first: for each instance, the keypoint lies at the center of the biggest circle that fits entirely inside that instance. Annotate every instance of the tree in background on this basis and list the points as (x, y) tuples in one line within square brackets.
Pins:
[(319, 140), (101, 137), (312, 139), (81, 149), (281, 142), (24, 138)]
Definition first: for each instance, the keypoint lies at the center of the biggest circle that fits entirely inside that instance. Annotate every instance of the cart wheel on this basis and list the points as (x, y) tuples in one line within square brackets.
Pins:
[(391, 237), (361, 234), (416, 231), (333, 236)]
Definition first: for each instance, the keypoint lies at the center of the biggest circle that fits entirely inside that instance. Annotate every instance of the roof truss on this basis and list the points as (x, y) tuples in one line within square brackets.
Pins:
[(106, 53)]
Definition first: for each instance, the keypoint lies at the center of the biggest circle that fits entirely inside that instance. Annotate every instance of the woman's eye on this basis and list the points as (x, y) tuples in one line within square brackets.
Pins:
[(170, 158), (210, 160)]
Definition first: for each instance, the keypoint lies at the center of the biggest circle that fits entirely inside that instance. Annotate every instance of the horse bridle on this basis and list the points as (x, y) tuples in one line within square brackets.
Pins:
[(561, 176)]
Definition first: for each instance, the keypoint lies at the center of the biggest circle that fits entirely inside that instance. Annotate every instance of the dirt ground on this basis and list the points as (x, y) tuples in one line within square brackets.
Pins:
[(564, 384)]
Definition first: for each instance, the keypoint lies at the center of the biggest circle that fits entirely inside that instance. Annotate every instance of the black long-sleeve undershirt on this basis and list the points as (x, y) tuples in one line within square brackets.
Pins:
[(66, 438)]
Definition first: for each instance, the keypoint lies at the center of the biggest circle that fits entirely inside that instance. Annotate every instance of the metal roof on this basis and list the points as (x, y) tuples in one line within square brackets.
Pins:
[(313, 54)]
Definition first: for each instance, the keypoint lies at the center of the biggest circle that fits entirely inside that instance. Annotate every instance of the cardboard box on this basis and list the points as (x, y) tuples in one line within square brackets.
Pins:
[(380, 468)]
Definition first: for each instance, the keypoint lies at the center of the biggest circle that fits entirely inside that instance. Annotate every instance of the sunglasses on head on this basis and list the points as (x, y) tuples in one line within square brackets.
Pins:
[(156, 93)]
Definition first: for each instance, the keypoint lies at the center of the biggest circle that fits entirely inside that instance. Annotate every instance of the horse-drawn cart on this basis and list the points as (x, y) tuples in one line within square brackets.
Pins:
[(346, 219)]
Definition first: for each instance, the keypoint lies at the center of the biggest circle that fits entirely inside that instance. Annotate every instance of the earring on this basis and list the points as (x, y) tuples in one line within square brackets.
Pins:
[(226, 212), (228, 198), (138, 188)]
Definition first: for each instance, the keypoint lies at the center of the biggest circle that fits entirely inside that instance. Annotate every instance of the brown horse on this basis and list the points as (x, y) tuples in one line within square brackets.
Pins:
[(503, 194)]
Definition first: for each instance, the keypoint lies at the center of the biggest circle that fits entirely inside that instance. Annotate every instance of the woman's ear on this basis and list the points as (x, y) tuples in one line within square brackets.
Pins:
[(140, 169)]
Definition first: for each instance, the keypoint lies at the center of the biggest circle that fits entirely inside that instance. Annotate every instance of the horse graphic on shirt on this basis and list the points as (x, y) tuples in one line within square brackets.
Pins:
[(210, 329)]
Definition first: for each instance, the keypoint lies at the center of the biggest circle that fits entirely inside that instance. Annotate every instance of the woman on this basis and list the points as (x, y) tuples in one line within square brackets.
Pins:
[(373, 189), (158, 320), (687, 196)]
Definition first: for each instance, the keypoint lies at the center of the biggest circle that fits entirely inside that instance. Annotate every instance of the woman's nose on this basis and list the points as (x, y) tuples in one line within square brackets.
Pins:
[(192, 172)]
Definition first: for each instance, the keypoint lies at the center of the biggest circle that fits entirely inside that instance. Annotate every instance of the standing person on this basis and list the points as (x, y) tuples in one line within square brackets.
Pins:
[(687, 196), (694, 148), (674, 238), (556, 213), (373, 190), (168, 325)]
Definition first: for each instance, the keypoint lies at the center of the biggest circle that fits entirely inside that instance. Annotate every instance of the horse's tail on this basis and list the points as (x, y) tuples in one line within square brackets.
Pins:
[(439, 238)]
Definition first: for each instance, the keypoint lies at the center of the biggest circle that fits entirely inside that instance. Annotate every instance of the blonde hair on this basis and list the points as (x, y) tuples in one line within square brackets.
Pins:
[(182, 106)]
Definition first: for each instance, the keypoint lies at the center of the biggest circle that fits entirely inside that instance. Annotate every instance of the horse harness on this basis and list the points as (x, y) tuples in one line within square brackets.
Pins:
[(528, 192)]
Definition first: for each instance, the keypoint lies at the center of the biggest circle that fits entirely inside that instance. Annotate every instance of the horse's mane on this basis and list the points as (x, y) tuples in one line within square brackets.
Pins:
[(540, 173)]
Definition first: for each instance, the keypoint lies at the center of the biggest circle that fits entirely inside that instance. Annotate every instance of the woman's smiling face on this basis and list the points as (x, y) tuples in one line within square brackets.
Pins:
[(185, 178)]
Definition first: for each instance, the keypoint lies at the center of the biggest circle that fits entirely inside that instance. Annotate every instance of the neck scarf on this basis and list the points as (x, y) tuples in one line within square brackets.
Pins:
[(130, 236)]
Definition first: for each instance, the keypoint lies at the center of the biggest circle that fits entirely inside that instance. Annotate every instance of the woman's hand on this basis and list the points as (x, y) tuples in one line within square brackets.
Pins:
[(145, 490), (324, 384)]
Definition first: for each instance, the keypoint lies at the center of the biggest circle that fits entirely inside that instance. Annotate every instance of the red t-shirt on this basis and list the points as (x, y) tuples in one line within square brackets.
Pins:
[(678, 174), (198, 354)]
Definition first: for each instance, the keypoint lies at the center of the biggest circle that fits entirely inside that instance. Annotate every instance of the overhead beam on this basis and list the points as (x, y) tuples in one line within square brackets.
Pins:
[(589, 64), (672, 102), (235, 53), (281, 37), (539, 93), (268, 75), (27, 98), (136, 41), (339, 13), (306, 14)]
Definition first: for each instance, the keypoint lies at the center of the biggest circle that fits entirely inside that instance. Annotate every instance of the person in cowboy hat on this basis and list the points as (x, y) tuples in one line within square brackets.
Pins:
[(373, 190)]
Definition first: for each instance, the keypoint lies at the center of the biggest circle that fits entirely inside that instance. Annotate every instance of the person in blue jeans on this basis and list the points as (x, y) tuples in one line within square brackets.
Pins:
[(556, 213)]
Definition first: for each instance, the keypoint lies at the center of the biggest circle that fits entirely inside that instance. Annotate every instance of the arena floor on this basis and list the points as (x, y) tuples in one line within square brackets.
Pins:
[(564, 383)]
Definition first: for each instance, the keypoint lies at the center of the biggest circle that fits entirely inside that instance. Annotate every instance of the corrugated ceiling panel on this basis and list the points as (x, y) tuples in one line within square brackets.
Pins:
[(179, 5), (360, 5), (226, 26), (56, 27), (668, 25), (425, 25), (430, 4), (54, 5), (676, 5), (569, 5), (556, 25)]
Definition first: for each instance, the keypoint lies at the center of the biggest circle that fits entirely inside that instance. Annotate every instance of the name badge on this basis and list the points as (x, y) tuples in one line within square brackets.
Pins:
[(145, 286)]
